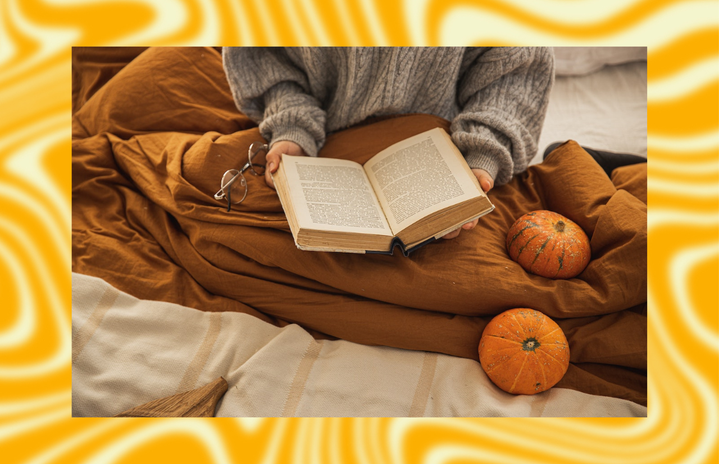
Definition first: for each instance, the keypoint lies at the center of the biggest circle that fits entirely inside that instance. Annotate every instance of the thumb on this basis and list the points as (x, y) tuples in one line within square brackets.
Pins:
[(485, 180), (487, 183), (272, 161)]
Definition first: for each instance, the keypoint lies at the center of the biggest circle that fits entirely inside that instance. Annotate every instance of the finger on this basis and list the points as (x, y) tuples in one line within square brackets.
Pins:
[(268, 179), (470, 225), (273, 162), (486, 182), (451, 235)]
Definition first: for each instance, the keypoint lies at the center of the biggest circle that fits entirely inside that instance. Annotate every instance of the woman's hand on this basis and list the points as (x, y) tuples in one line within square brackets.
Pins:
[(273, 157), (486, 182)]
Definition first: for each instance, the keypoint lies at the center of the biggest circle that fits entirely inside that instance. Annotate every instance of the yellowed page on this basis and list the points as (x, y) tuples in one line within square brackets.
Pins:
[(333, 195), (419, 176)]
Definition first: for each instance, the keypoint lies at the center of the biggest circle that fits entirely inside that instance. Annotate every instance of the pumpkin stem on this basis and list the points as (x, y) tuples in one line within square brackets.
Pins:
[(530, 344), (559, 226)]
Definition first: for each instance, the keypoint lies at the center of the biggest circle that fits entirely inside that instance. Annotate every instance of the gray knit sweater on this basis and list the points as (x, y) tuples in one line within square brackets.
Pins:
[(495, 98)]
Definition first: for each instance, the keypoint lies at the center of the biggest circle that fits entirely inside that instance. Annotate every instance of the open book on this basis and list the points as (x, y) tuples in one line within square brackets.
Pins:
[(407, 195)]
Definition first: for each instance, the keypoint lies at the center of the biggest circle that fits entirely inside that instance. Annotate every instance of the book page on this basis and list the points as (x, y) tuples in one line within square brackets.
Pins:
[(332, 194), (419, 176)]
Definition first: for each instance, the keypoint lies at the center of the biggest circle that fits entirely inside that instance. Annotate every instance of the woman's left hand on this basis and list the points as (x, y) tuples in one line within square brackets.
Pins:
[(274, 156), (486, 182)]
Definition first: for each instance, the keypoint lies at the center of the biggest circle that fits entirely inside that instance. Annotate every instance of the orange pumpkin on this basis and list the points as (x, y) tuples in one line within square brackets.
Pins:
[(523, 351), (548, 244)]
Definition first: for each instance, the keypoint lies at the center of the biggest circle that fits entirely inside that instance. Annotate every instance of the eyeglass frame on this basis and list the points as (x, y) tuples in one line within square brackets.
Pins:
[(252, 151)]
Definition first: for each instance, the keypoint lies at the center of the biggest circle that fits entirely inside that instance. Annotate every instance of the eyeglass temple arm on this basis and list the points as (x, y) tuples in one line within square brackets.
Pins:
[(229, 198)]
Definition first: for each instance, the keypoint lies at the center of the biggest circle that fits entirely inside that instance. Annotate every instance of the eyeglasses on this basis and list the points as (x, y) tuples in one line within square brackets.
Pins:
[(233, 187)]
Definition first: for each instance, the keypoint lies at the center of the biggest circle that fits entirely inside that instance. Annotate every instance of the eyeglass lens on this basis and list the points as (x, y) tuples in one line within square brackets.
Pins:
[(234, 186), (255, 149)]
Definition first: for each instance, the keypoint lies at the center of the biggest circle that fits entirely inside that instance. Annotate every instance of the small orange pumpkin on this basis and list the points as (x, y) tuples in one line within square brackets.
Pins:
[(548, 244), (523, 351)]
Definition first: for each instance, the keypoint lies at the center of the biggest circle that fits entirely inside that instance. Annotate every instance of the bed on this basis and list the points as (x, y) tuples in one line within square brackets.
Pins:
[(170, 292)]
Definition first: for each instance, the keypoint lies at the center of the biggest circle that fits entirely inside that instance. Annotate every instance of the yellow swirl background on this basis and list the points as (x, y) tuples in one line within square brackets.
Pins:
[(36, 37)]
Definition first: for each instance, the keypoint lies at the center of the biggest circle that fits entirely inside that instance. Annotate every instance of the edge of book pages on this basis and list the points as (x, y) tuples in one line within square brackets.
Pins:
[(396, 242)]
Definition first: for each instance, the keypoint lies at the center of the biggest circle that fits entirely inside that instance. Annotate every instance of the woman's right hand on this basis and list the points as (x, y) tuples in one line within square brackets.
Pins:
[(273, 157)]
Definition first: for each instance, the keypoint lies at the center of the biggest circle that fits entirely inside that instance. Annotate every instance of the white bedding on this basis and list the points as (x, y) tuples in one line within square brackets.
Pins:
[(127, 352), (605, 110)]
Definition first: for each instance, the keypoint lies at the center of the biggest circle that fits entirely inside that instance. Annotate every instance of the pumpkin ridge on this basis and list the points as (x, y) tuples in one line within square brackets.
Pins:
[(514, 337), (544, 374), (520, 325), (548, 334), (539, 329), (524, 363), (531, 224), (504, 338), (500, 364), (552, 357), (541, 249), (561, 259), (525, 246)]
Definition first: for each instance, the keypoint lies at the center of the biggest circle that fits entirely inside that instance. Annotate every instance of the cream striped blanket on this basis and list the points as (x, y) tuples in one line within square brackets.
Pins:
[(127, 351)]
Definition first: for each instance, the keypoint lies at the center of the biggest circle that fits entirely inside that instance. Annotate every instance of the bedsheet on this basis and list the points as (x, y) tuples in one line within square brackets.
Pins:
[(605, 110), (279, 372), (151, 144)]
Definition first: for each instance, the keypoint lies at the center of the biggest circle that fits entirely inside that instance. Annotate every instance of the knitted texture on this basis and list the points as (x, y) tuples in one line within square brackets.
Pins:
[(496, 98)]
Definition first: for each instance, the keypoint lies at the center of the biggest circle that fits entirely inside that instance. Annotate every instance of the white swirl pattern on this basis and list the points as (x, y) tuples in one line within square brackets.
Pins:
[(35, 241)]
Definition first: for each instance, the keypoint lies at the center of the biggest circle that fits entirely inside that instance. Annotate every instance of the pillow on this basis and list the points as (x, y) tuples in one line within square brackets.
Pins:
[(575, 61)]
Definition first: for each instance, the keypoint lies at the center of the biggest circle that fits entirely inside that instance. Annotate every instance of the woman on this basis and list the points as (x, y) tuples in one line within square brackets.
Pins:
[(495, 98)]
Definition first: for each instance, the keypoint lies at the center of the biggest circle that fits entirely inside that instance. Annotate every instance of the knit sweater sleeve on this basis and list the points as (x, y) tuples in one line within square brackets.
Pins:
[(502, 95), (268, 88)]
